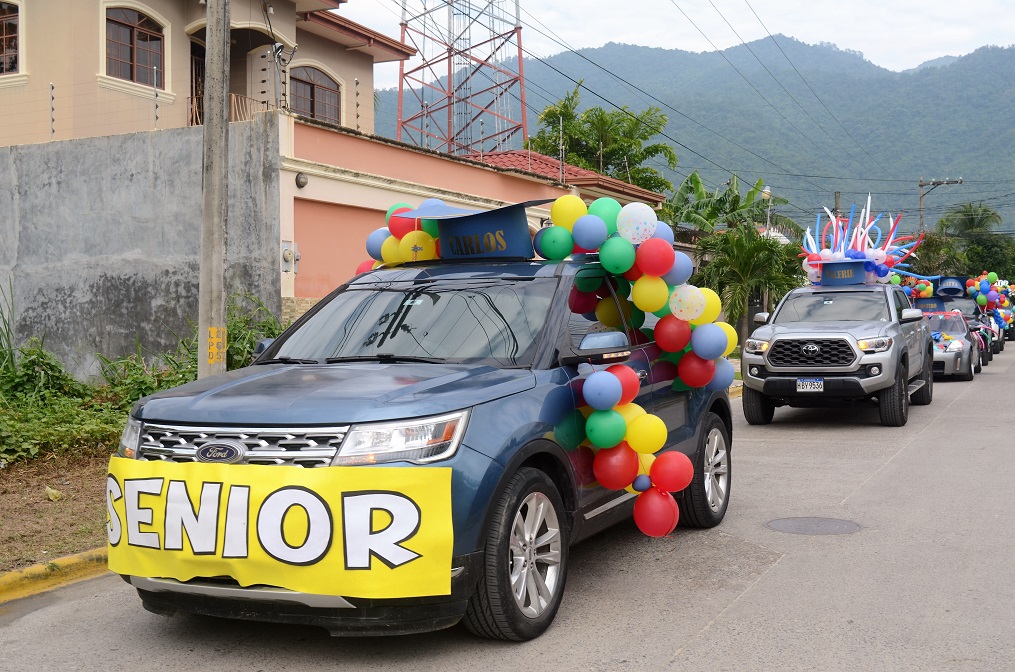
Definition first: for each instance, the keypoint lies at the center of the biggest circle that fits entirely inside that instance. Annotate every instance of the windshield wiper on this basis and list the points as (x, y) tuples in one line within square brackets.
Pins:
[(288, 360), (386, 357)]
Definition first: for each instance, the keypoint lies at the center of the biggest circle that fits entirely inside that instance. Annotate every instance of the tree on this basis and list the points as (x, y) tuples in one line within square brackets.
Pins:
[(740, 263), (990, 252), (968, 219), (693, 204), (610, 142), (938, 255)]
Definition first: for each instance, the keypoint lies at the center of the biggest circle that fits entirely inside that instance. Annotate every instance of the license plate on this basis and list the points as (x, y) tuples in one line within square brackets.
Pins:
[(810, 384)]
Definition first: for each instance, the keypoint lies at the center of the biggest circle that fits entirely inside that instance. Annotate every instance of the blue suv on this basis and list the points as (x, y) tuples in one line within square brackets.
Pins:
[(470, 367)]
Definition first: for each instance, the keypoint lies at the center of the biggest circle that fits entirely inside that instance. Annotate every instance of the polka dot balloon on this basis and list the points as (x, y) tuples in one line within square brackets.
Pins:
[(637, 222)]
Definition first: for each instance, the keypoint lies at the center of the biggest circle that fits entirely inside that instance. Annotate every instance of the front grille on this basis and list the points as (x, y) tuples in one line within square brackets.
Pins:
[(314, 447), (793, 352)]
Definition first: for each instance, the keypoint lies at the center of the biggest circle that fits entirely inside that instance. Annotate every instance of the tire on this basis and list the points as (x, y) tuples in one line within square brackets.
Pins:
[(1000, 343), (893, 402), (704, 502), (967, 375), (925, 394), (976, 363), (758, 409), (995, 347), (530, 504), (990, 350)]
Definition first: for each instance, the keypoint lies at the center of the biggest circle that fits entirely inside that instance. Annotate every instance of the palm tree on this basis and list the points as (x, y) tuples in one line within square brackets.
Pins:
[(693, 204), (740, 263), (968, 219)]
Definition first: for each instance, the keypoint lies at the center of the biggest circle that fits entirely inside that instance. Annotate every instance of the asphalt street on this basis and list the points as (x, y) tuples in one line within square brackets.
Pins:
[(927, 582)]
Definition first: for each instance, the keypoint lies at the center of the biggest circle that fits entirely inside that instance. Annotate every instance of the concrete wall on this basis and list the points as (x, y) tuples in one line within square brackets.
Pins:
[(101, 237)]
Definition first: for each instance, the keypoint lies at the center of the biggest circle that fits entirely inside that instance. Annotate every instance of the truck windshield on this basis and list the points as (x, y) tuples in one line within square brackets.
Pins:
[(458, 321), (833, 307)]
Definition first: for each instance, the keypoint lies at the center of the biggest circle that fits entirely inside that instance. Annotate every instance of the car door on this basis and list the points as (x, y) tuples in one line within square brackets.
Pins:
[(911, 331)]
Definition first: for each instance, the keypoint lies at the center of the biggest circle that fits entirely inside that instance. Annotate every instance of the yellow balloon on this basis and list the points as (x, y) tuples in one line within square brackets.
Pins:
[(566, 210), (389, 251), (608, 313), (646, 434), (586, 411), (629, 411), (731, 336), (650, 293), (416, 246), (713, 306)]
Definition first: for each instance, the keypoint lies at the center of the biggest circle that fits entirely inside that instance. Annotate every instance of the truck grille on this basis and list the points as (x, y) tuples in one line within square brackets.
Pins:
[(315, 447), (800, 352)]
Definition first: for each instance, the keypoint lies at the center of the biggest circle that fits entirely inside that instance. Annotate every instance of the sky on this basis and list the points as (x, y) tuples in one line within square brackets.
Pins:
[(894, 34)]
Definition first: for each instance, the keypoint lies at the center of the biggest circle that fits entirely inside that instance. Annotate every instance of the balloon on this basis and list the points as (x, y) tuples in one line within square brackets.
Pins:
[(731, 337), (365, 266), (695, 371), (581, 302), (417, 246), (629, 411), (681, 270), (672, 334), (390, 252), (992, 277), (650, 293), (634, 272), (375, 240), (399, 226), (687, 302), (641, 483), (981, 299), (882, 270), (656, 512), (655, 257), (605, 429), (646, 434), (609, 314), (672, 471), (724, 376), (896, 279), (664, 232), (992, 296), (615, 468), (570, 431), (713, 306), (566, 210), (708, 341), (556, 243), (662, 371), (638, 319), (589, 232), (970, 282), (397, 207), (587, 282), (617, 255), (628, 379), (602, 390), (984, 286), (607, 210), (430, 226), (582, 459), (636, 222)]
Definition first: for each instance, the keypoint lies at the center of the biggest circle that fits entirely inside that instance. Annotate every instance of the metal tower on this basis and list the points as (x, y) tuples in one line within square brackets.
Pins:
[(462, 98)]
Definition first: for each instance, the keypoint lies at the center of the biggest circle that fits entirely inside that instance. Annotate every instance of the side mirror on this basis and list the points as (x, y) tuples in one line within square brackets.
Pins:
[(601, 347), (761, 318), (911, 315), (262, 345)]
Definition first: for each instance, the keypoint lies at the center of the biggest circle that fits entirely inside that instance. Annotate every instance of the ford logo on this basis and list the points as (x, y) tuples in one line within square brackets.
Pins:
[(223, 450), (810, 349)]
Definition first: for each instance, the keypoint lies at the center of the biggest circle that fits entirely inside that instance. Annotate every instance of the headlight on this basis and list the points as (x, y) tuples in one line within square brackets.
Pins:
[(755, 347), (419, 441), (130, 439), (874, 344), (954, 346)]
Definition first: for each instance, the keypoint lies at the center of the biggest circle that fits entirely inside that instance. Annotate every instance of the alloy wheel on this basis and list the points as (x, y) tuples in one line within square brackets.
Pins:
[(535, 554), (716, 469)]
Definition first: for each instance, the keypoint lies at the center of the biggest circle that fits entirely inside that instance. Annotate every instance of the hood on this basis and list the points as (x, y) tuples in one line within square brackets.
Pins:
[(857, 330), (333, 394)]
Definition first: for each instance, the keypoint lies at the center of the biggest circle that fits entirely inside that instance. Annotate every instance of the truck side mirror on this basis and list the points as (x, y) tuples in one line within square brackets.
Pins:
[(761, 318)]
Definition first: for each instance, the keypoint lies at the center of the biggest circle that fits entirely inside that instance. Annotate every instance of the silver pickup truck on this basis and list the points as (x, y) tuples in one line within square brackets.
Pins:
[(826, 345)]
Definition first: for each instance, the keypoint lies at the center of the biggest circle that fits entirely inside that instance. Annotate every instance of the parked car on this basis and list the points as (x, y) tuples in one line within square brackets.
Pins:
[(467, 368), (956, 348)]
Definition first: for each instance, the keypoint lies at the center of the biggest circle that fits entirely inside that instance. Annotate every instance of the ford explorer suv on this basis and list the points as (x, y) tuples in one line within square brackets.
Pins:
[(437, 406)]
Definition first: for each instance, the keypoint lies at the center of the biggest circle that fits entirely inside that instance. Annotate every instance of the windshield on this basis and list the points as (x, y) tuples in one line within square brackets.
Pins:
[(833, 307), (953, 325), (495, 322), (964, 303)]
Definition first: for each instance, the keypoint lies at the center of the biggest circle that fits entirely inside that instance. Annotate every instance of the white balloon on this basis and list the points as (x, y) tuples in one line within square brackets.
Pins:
[(637, 222), (687, 302), (826, 254)]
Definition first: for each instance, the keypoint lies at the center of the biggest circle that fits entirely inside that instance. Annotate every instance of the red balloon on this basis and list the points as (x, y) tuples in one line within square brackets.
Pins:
[(577, 385), (672, 471), (633, 273), (615, 468), (630, 383), (365, 266), (970, 282), (695, 371), (638, 337), (656, 512), (580, 250), (399, 226), (663, 370), (437, 247), (655, 257), (672, 333), (581, 302), (582, 460)]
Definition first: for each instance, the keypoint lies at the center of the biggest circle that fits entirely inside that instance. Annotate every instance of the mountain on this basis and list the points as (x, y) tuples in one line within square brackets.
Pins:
[(935, 63), (809, 120)]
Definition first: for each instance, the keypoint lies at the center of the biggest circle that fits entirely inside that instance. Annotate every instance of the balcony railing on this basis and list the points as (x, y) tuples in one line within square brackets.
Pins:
[(241, 108)]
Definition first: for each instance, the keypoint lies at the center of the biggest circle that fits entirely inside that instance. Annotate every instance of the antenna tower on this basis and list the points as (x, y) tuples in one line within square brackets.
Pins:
[(462, 96)]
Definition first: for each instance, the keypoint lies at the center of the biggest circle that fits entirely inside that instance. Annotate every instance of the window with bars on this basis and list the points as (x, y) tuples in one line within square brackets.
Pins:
[(8, 38), (315, 95), (134, 48)]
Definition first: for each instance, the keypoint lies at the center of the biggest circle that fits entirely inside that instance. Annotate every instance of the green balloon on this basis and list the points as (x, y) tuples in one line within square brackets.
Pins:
[(605, 429), (616, 255), (637, 317), (556, 243), (992, 277), (396, 206), (665, 310), (607, 210), (589, 280), (429, 226), (896, 279), (981, 299), (622, 286), (680, 386), (571, 430)]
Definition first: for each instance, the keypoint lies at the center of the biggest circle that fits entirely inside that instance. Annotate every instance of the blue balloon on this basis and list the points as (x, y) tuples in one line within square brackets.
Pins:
[(882, 270), (589, 232), (723, 377), (908, 291), (535, 241), (664, 231), (375, 240), (602, 390), (709, 341), (869, 266), (681, 272), (642, 482), (984, 286)]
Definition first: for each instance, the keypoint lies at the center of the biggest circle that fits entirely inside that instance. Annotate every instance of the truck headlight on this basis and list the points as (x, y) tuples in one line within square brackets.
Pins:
[(130, 439), (418, 441), (755, 346), (874, 344)]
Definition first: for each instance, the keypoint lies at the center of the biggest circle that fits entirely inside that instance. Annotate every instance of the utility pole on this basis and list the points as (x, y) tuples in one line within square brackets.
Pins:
[(838, 202), (211, 355), (933, 184)]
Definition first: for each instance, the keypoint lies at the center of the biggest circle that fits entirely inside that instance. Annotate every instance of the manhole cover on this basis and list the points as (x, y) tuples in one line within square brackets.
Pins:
[(813, 525)]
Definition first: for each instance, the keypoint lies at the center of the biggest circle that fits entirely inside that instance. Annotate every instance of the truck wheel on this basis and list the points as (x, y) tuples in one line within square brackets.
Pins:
[(995, 347), (525, 566), (976, 359), (703, 503), (925, 394), (758, 409), (893, 402)]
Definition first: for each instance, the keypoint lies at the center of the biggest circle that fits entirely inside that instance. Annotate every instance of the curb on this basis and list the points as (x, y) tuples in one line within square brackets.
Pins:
[(736, 391), (56, 573)]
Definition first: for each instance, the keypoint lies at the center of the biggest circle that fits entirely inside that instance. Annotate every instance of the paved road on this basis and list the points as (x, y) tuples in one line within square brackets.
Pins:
[(927, 583)]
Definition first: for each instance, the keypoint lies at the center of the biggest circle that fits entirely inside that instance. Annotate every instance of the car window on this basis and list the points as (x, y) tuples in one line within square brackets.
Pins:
[(901, 301), (589, 281), (833, 307), (953, 325)]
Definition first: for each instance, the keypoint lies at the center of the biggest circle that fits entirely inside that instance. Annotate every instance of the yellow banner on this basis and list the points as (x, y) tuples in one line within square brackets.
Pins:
[(353, 531)]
